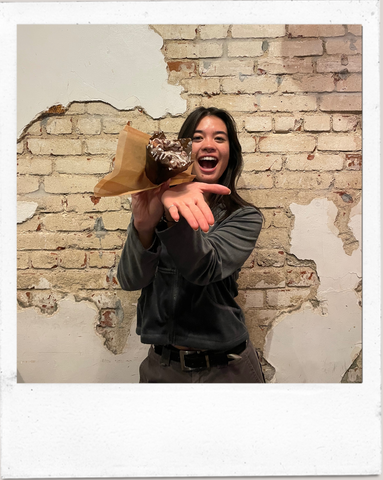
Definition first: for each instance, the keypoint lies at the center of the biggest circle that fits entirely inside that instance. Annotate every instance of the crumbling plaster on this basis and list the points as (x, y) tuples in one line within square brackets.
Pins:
[(118, 64), (318, 344)]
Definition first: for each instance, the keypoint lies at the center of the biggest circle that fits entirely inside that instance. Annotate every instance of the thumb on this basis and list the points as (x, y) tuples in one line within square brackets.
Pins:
[(215, 188)]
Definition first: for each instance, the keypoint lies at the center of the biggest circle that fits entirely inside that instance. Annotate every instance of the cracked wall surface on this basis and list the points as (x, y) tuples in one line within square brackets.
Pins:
[(295, 93)]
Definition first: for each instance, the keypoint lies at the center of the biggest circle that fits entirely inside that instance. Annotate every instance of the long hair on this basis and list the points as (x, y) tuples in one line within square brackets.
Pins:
[(229, 178)]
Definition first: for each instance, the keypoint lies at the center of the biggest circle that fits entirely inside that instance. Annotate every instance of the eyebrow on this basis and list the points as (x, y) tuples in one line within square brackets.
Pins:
[(218, 131)]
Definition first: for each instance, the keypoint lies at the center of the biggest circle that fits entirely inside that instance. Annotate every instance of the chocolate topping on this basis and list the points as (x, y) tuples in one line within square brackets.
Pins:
[(166, 158)]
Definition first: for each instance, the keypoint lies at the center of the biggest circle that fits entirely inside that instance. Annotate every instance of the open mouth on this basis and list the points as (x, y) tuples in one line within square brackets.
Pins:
[(207, 163)]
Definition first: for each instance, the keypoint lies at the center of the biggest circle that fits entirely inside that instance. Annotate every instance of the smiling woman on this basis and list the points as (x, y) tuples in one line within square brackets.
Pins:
[(185, 247)]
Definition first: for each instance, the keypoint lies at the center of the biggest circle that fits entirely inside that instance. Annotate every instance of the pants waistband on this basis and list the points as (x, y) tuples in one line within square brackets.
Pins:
[(197, 360)]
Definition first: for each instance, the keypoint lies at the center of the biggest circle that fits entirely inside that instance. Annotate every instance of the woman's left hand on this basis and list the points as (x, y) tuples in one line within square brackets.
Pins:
[(187, 199)]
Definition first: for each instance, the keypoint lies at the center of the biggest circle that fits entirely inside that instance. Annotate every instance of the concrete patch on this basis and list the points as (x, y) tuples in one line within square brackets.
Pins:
[(25, 211)]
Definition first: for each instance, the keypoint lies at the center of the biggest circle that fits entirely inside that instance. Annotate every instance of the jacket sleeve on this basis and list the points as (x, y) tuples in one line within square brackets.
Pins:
[(205, 258), (137, 266)]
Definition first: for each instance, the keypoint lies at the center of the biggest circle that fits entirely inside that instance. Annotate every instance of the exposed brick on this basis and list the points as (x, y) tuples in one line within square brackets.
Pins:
[(341, 102), (99, 145), (307, 83), (54, 146), (270, 258), (278, 218), (176, 32), (221, 68), (287, 297), (193, 50), (59, 126), (277, 65), (20, 147), (202, 85), (295, 48), (180, 69), (274, 238), (316, 30), (208, 32), (354, 29), (34, 165), (345, 123), (73, 258), (104, 240), (339, 63), (351, 83), (287, 143), (317, 123), (251, 84), (280, 199), (284, 124), (22, 260), (76, 108), (261, 278), (35, 129), (258, 124), (232, 103), (314, 162), (90, 203), (251, 299), (135, 119), (116, 220), (287, 103), (27, 184), (31, 225), (262, 162), (41, 241), (70, 184), (347, 45), (102, 259), (171, 124), (83, 165), (245, 48), (347, 180), (50, 203), (292, 180), (114, 124), (354, 161), (64, 280), (100, 108), (247, 143), (337, 141), (68, 222), (257, 31), (43, 259), (255, 180), (89, 126)]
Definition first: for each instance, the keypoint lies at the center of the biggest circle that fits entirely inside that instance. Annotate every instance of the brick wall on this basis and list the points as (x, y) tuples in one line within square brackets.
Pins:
[(295, 93)]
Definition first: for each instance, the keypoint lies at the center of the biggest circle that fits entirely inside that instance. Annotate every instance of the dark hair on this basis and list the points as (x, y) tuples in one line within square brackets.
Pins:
[(229, 178)]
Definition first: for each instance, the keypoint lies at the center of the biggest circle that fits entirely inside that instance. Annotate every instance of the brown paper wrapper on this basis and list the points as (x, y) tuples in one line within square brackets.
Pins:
[(128, 175)]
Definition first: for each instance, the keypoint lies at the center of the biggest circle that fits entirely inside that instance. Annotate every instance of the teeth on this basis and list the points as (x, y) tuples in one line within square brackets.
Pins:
[(209, 158)]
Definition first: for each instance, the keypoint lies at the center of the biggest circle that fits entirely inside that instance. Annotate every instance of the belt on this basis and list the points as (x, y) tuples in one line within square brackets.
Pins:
[(197, 360)]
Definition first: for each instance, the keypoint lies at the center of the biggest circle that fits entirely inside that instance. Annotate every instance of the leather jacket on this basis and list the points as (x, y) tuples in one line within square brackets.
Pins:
[(189, 281)]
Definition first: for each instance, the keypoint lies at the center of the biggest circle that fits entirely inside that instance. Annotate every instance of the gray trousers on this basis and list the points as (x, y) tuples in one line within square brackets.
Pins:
[(246, 369)]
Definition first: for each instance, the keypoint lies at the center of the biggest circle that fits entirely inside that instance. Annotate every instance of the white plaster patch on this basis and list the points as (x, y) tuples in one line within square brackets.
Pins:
[(319, 345), (118, 64), (64, 347), (25, 211)]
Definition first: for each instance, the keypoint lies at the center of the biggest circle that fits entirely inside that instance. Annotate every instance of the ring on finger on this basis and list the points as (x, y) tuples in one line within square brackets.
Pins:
[(171, 207)]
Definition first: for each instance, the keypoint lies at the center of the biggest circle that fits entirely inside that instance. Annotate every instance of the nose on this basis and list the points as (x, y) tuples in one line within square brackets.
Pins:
[(208, 145)]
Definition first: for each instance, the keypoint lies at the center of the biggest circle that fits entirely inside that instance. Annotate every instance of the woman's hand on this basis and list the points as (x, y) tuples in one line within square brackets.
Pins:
[(187, 199)]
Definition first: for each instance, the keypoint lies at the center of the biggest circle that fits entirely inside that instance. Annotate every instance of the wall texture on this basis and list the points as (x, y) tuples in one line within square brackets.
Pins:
[(295, 93)]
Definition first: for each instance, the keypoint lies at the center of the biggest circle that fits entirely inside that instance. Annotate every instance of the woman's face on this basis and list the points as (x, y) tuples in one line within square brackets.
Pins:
[(211, 148)]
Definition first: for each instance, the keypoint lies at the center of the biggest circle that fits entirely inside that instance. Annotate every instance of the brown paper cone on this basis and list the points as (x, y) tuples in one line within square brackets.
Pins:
[(128, 175)]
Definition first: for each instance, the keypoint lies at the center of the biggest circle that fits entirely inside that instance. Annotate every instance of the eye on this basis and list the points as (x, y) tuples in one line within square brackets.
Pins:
[(220, 139), (197, 138)]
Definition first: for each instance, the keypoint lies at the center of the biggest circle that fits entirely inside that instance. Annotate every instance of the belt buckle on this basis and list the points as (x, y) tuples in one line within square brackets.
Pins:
[(182, 360)]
